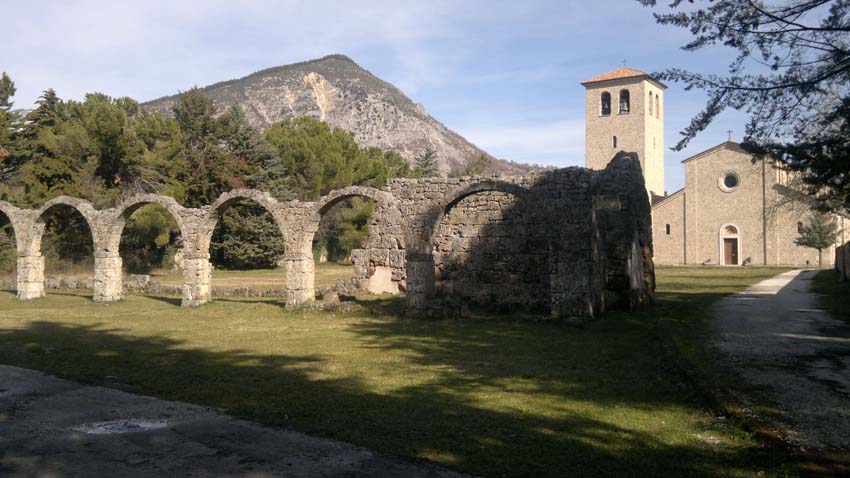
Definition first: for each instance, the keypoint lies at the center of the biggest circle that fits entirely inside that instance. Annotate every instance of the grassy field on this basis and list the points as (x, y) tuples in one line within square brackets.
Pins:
[(496, 397), (326, 276), (833, 295)]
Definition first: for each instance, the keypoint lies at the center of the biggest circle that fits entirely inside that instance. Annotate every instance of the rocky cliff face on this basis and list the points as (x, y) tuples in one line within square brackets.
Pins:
[(337, 90)]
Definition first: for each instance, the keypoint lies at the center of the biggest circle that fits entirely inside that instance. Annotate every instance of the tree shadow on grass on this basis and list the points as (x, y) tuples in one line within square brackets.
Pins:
[(459, 416)]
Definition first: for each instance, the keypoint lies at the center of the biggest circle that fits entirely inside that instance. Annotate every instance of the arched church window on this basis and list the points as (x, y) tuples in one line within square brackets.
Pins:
[(650, 104), (624, 101), (668, 229), (730, 230), (605, 103), (614, 141), (657, 107)]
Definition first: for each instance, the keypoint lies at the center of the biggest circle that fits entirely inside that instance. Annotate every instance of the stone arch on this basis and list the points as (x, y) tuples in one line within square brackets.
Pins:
[(30, 263), (130, 205), (16, 220), (299, 254), (419, 256), (457, 195), (225, 200), (382, 199), (325, 203), (36, 230)]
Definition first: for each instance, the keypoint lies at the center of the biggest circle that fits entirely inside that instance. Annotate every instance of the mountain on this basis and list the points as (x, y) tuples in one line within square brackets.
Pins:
[(337, 90)]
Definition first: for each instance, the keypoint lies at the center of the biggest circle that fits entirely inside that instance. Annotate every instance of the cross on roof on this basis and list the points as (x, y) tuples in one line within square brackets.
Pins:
[(730, 134)]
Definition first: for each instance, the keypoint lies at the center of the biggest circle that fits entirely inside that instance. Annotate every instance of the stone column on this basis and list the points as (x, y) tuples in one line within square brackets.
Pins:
[(197, 279), (300, 278), (30, 276), (108, 279), (420, 281)]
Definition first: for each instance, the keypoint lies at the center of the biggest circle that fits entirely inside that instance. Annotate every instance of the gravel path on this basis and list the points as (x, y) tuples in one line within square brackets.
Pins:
[(57, 428), (778, 339)]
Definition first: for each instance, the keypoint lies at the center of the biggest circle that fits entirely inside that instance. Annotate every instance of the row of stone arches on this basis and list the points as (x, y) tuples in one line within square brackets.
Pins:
[(296, 221), (583, 236)]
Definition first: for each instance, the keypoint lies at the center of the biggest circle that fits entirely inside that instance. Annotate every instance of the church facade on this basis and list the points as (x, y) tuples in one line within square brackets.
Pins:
[(732, 210)]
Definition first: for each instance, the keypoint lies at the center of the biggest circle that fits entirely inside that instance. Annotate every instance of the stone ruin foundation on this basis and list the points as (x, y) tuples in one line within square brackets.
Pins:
[(573, 242)]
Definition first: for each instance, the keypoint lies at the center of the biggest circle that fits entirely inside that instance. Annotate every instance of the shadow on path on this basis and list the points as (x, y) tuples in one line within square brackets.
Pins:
[(780, 341)]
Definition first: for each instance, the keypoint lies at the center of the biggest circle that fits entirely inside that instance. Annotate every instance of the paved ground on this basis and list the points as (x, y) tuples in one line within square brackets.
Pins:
[(56, 428), (779, 340)]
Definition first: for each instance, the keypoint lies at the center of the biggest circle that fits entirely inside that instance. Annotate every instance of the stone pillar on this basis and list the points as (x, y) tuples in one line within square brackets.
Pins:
[(30, 276), (420, 281), (108, 279), (197, 279), (300, 278)]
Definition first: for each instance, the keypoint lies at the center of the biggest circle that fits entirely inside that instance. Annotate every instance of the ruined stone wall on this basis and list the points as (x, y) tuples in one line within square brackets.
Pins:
[(485, 252), (573, 240)]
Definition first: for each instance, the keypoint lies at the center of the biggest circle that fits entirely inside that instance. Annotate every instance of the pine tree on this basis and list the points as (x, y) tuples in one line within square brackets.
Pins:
[(426, 163), (7, 91), (8, 122), (819, 234)]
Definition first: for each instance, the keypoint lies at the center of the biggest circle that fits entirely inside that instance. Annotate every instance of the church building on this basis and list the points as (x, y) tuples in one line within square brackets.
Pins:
[(732, 211)]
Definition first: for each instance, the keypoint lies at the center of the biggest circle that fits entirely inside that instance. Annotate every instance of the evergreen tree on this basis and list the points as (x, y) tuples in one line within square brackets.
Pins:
[(209, 169), (246, 237), (820, 234), (118, 150), (318, 159), (426, 163), (7, 91), (8, 123)]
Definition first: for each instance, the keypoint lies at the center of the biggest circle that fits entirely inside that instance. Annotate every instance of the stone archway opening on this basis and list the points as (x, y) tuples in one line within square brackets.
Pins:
[(150, 243), (247, 248), (485, 256), (340, 235), (349, 227), (63, 237), (8, 253)]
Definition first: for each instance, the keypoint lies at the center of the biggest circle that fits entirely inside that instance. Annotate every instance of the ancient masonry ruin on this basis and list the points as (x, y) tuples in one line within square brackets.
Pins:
[(573, 241)]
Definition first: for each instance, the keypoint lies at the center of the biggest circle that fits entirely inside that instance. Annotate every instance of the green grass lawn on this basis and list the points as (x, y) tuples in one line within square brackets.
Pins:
[(495, 397), (833, 296), (326, 275)]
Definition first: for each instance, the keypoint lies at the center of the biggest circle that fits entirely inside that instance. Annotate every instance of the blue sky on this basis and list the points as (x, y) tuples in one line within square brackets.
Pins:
[(504, 74)]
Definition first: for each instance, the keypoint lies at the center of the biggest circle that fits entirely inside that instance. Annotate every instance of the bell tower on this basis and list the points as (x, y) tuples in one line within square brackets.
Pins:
[(624, 111)]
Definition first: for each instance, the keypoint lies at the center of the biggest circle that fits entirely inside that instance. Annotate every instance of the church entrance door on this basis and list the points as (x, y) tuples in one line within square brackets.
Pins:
[(730, 249)]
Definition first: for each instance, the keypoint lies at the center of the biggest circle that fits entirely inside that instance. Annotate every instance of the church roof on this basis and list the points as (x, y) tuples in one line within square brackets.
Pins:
[(622, 73), (659, 200), (726, 144)]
